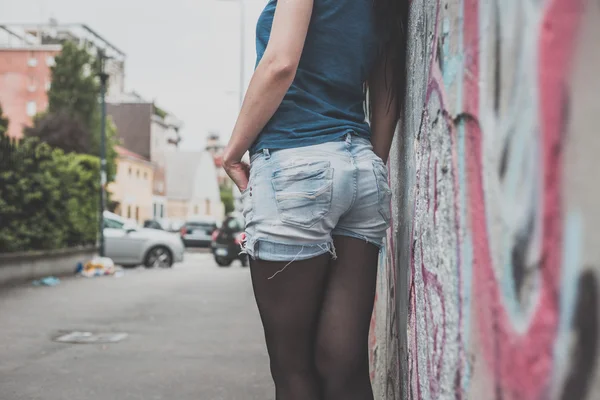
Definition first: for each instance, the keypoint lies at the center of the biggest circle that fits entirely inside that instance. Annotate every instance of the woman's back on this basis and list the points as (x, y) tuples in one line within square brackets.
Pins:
[(326, 99), (316, 206)]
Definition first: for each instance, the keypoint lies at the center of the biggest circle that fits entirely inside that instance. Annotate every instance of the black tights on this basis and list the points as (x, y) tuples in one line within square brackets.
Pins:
[(316, 315)]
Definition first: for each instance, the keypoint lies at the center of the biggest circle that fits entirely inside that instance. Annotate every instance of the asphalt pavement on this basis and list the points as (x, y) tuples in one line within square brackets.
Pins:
[(192, 333)]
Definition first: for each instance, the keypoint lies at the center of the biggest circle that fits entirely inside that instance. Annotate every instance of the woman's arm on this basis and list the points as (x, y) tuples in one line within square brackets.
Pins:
[(270, 82), (384, 108)]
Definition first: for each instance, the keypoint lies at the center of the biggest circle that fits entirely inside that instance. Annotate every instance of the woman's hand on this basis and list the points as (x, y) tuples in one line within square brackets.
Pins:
[(238, 171)]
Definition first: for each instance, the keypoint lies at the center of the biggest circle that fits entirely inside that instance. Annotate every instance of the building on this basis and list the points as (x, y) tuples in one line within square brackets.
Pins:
[(215, 148), (27, 54), (159, 193), (149, 131), (192, 187), (143, 127), (132, 192)]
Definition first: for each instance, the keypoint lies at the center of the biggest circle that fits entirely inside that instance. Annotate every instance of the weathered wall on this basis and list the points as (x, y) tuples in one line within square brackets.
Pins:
[(489, 284), (17, 268)]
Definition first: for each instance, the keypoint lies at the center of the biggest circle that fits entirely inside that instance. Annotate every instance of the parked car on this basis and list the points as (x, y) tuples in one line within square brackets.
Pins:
[(197, 231), (171, 225), (129, 245), (153, 224), (227, 242)]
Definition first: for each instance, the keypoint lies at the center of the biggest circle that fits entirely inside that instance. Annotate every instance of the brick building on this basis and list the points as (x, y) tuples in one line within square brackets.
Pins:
[(24, 81), (27, 54)]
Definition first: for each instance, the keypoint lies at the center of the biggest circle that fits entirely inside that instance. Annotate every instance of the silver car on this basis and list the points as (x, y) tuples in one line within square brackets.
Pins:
[(129, 245)]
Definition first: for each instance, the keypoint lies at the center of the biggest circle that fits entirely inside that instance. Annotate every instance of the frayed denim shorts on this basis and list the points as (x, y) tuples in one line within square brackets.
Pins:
[(298, 199)]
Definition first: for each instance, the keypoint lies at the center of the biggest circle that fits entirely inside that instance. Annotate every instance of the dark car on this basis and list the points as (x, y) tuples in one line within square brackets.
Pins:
[(153, 224), (197, 232), (227, 242)]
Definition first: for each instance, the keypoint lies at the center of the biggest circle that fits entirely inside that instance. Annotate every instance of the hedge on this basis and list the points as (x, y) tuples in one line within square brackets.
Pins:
[(48, 199)]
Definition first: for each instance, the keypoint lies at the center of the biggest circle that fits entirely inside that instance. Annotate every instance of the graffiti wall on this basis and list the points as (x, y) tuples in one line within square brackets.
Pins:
[(489, 283)]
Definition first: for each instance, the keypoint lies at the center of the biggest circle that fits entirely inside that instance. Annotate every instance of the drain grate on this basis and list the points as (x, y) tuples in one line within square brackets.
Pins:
[(80, 337)]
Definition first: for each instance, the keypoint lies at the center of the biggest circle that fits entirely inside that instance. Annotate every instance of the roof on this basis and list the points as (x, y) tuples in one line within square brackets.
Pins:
[(191, 175), (53, 33), (123, 152)]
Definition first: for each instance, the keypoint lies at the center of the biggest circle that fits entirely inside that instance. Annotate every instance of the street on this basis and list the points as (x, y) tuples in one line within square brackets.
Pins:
[(193, 332)]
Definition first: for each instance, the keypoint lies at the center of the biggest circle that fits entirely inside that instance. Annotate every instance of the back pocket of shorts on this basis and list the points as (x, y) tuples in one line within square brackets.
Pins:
[(303, 192)]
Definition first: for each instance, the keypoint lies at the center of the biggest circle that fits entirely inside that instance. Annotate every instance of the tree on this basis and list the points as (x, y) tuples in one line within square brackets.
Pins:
[(75, 88), (61, 130), (227, 199), (49, 199), (3, 122), (72, 122)]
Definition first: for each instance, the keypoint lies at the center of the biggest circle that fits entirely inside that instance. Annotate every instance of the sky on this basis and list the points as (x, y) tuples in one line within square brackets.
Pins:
[(183, 54)]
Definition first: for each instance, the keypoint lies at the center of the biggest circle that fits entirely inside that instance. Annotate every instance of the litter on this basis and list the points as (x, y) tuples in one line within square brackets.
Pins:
[(119, 274), (98, 266), (47, 281)]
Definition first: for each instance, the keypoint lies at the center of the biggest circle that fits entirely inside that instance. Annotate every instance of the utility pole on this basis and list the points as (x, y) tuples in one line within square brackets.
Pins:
[(242, 5), (242, 48), (103, 81)]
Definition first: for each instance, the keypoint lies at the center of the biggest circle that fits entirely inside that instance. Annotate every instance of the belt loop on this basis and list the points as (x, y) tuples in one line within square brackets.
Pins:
[(266, 154)]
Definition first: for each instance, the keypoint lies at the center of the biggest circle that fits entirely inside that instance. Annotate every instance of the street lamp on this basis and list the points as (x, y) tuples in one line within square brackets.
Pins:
[(242, 46), (103, 81)]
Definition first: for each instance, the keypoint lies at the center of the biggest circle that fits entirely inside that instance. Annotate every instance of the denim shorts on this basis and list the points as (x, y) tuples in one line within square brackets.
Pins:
[(298, 199)]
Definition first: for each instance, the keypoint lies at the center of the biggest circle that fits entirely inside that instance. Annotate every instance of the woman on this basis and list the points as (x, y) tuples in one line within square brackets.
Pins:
[(316, 197)]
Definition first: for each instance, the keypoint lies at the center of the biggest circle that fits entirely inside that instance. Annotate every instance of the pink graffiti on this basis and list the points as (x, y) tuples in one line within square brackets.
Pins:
[(436, 349), (521, 362)]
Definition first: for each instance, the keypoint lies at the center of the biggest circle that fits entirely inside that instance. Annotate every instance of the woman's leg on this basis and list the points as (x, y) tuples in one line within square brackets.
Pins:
[(342, 357), (289, 306)]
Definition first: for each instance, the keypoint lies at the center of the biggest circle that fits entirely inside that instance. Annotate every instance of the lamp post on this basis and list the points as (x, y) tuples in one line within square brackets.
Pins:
[(103, 81), (242, 47)]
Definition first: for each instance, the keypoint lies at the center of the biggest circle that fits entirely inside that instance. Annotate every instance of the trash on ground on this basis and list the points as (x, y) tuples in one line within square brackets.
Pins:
[(119, 273), (79, 268), (98, 266), (47, 281), (90, 337)]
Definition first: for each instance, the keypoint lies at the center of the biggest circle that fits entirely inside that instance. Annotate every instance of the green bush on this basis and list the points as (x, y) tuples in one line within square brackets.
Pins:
[(48, 199), (227, 199)]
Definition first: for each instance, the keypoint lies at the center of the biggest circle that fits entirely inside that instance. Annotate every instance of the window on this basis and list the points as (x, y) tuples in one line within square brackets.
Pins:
[(207, 207), (162, 210), (31, 108), (50, 61), (113, 224), (129, 171), (195, 209), (235, 224), (128, 211), (152, 225), (137, 213), (48, 85), (201, 226), (154, 209), (137, 173), (32, 62)]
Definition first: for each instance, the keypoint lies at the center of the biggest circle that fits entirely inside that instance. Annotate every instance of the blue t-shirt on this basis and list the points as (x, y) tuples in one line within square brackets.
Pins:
[(326, 99)]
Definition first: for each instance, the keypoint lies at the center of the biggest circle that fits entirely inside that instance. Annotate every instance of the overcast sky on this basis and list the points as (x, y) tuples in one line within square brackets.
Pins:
[(184, 54)]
